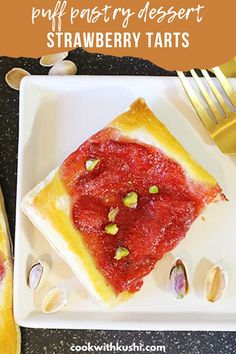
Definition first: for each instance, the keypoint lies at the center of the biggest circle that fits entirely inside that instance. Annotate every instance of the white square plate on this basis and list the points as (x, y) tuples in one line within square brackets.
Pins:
[(56, 115)]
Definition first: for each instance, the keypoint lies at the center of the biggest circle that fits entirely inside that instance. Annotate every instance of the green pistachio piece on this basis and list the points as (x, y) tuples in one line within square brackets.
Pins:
[(91, 164), (121, 252), (153, 190), (113, 214), (131, 200), (111, 229)]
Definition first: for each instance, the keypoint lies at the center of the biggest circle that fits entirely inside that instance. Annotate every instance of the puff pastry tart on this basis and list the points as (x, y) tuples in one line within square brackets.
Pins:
[(9, 332), (124, 198)]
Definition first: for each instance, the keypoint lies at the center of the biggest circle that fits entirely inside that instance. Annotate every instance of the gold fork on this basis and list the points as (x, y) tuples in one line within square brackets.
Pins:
[(222, 129)]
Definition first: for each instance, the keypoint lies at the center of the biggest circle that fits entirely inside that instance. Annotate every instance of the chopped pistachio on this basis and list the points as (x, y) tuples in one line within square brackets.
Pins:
[(121, 252), (111, 229), (153, 190), (91, 164), (131, 200), (113, 214)]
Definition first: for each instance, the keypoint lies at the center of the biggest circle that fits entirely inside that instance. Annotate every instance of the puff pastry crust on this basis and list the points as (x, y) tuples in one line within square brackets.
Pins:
[(9, 331), (48, 204)]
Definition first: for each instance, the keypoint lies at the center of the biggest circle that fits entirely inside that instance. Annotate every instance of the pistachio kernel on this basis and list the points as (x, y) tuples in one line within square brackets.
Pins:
[(130, 200), (179, 280), (121, 252), (111, 229), (153, 190), (113, 214), (91, 164)]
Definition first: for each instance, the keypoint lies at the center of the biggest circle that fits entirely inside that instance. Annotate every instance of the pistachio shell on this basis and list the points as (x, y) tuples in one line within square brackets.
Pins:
[(14, 76), (54, 300), (215, 283), (37, 275), (65, 67), (179, 279), (51, 59)]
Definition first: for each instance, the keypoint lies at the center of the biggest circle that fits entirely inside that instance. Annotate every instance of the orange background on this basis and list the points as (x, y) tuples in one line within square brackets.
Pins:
[(212, 41)]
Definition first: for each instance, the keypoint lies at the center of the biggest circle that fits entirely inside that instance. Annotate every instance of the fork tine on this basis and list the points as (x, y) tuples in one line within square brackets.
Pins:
[(206, 96), (226, 85), (201, 111), (216, 92)]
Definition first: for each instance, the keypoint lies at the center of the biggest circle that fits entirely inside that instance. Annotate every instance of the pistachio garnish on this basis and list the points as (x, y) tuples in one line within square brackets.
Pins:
[(65, 67), (179, 280), (111, 229), (52, 59), (14, 76), (54, 300), (113, 214), (121, 252), (131, 200), (215, 283), (91, 164), (153, 190), (37, 275)]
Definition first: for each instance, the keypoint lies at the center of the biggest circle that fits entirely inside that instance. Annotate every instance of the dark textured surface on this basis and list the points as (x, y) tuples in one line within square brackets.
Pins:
[(59, 341)]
